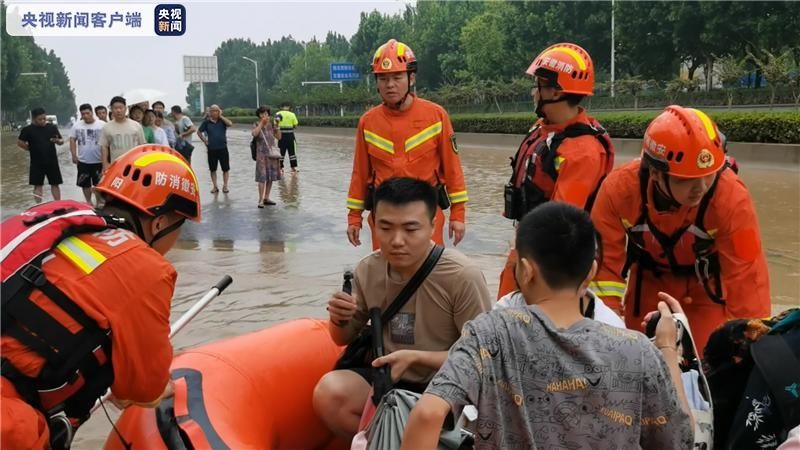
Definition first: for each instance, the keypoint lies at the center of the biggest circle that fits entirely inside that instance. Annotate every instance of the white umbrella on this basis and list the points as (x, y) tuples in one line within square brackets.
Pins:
[(140, 95)]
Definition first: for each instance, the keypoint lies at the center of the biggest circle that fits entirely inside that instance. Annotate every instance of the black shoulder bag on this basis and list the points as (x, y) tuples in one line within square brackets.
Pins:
[(359, 353)]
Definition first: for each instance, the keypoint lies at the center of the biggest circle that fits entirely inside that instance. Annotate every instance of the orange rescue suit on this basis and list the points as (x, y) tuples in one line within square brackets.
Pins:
[(581, 165), (418, 143), (122, 284), (729, 226)]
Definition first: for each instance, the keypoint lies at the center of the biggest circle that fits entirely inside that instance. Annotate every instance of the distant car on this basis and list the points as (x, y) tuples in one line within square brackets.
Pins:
[(52, 119)]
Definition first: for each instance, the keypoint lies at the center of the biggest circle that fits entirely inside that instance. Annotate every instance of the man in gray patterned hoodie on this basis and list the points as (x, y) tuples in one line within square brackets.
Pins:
[(543, 376)]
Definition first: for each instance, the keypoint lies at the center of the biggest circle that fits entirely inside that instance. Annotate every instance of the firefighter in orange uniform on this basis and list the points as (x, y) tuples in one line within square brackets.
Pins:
[(93, 312), (566, 154), (405, 136), (679, 220)]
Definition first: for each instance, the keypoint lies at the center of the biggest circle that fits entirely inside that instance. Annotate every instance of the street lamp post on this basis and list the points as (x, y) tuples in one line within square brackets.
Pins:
[(258, 102)]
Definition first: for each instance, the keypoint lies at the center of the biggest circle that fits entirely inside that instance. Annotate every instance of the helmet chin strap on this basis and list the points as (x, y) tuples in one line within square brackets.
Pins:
[(135, 225), (167, 230), (540, 107), (667, 196)]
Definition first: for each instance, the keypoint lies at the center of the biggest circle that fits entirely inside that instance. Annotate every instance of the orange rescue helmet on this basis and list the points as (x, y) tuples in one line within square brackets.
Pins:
[(684, 143), (567, 66), (394, 56), (155, 179)]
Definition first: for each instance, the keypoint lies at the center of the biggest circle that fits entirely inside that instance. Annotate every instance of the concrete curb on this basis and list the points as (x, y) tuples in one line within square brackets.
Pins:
[(785, 154)]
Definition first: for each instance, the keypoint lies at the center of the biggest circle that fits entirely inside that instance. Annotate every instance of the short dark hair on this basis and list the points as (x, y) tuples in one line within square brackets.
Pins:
[(404, 190), (263, 109), (285, 105), (135, 107), (158, 102), (176, 109), (561, 240), (117, 99), (100, 108), (85, 107), (35, 112)]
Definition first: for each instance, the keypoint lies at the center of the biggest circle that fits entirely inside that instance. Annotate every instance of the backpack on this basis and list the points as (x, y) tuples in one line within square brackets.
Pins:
[(753, 369), (530, 186), (77, 369)]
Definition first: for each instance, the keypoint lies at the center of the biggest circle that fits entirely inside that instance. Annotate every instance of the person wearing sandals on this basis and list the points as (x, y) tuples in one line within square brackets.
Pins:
[(268, 166)]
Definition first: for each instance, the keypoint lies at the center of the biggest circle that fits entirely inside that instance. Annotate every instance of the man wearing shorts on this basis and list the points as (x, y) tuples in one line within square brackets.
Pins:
[(84, 144), (213, 133), (40, 139)]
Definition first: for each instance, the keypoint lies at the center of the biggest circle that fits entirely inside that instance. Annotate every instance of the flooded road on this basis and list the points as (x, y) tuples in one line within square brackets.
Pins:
[(285, 260)]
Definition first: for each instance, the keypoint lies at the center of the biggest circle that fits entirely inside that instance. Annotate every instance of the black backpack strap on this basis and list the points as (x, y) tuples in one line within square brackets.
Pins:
[(411, 287), (780, 367)]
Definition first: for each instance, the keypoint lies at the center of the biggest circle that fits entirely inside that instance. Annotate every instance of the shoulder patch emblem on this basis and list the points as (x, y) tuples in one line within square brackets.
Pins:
[(453, 141)]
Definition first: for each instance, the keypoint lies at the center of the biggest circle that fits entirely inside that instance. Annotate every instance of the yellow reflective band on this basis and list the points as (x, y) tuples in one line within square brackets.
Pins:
[(354, 203), (575, 55), (401, 49), (458, 197), (382, 143), (81, 254), (626, 224), (707, 123), (558, 161), (424, 135), (154, 157), (378, 52), (608, 288)]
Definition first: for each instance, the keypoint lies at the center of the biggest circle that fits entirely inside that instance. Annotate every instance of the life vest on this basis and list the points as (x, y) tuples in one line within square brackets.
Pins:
[(77, 368), (695, 256), (535, 167)]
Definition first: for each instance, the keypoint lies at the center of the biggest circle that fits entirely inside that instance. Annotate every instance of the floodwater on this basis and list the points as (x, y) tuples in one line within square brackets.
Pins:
[(287, 259)]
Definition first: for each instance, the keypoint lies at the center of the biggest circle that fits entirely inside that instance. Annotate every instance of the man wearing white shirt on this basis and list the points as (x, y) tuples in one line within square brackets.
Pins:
[(84, 144)]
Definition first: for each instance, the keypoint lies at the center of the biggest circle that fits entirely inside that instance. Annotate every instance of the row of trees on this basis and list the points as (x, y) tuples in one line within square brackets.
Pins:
[(20, 92), (478, 51)]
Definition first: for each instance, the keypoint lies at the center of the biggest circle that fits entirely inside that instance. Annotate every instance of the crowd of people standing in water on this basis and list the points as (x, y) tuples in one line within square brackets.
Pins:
[(668, 243)]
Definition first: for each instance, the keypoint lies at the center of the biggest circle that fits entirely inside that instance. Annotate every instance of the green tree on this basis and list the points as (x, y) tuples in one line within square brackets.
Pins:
[(776, 69), (730, 69)]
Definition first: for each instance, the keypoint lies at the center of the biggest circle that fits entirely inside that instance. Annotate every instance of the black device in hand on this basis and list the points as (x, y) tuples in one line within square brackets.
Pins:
[(650, 329), (347, 288)]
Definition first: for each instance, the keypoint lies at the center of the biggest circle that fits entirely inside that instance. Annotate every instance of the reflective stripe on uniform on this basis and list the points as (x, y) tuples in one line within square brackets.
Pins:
[(423, 136), (458, 197), (354, 203), (382, 143), (608, 288), (558, 161), (81, 254)]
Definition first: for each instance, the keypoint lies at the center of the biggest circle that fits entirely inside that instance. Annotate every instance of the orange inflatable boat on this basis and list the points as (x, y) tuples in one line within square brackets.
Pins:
[(249, 392)]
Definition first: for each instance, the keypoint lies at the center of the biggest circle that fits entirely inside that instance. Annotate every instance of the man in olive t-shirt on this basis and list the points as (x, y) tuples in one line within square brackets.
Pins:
[(417, 338), (119, 134)]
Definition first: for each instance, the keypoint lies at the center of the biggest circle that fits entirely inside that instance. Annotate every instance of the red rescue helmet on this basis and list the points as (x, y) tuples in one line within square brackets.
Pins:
[(684, 143), (155, 179), (394, 56), (567, 66)]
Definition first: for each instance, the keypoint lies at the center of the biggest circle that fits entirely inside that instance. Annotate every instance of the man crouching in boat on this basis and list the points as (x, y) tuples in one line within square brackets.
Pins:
[(86, 298), (417, 338)]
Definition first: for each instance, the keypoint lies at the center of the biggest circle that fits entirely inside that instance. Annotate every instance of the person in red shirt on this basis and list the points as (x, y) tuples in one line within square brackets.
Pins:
[(567, 153), (122, 287), (405, 136), (678, 220)]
